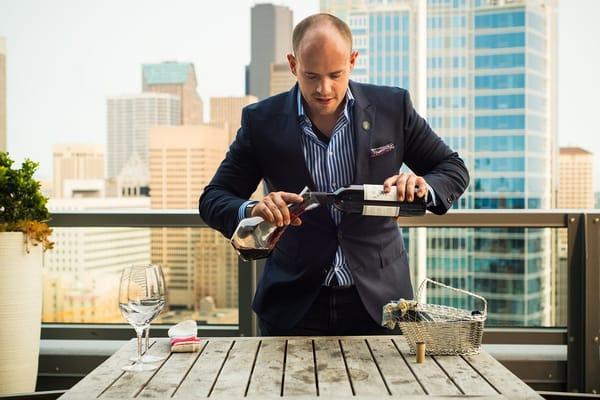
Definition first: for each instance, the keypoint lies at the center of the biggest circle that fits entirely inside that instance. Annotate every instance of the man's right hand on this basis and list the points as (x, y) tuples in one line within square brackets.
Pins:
[(274, 208)]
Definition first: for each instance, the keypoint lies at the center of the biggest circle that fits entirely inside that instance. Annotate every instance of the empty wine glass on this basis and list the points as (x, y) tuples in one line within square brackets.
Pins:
[(140, 300), (147, 358)]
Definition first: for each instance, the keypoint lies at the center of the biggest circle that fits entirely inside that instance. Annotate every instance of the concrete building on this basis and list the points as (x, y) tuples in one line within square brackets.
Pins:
[(281, 78), (271, 33), (132, 181), (229, 110), (199, 262), (81, 273), (178, 79), (75, 162), (2, 94), (129, 119)]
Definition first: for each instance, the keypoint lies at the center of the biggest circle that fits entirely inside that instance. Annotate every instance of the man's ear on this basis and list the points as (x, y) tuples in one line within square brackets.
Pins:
[(292, 61), (353, 57)]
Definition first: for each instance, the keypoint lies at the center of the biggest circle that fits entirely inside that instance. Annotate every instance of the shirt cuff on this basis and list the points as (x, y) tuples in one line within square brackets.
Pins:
[(242, 209), (430, 196)]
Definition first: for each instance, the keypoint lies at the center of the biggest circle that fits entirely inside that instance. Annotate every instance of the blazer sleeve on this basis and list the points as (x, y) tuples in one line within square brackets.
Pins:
[(234, 182), (427, 155)]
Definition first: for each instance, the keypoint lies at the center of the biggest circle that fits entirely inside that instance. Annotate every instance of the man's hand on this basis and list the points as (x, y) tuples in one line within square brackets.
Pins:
[(407, 185), (274, 208)]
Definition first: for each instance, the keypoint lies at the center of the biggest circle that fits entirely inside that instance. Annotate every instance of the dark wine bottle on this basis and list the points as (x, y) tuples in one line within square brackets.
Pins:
[(372, 200)]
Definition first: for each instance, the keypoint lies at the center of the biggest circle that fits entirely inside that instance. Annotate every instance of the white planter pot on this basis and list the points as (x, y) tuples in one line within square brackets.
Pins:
[(20, 313)]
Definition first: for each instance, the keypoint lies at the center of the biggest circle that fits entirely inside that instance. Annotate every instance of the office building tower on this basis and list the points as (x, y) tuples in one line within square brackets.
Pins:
[(199, 262), (129, 119), (178, 79), (74, 162), (491, 94), (228, 110), (2, 95), (281, 78), (271, 32)]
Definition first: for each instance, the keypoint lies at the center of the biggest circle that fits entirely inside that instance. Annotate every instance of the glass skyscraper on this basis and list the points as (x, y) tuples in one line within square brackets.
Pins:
[(490, 92)]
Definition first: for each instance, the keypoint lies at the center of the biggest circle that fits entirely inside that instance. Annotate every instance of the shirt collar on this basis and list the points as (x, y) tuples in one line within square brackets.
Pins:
[(349, 102)]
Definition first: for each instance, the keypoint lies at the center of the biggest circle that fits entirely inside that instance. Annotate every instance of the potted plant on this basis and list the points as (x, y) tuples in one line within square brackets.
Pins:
[(24, 235)]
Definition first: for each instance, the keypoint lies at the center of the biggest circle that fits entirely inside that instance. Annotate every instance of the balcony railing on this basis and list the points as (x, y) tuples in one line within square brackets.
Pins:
[(581, 336)]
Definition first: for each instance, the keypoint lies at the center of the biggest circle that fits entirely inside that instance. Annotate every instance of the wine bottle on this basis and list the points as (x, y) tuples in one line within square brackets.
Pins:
[(255, 238), (372, 200)]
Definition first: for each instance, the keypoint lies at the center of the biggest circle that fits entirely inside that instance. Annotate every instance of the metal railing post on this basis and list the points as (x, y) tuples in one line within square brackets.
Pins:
[(592, 305), (576, 264)]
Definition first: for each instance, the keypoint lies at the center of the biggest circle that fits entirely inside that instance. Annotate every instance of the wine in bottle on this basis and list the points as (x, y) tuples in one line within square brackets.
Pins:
[(372, 200)]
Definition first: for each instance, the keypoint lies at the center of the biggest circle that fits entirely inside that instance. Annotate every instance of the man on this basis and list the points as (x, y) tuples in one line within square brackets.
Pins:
[(330, 274)]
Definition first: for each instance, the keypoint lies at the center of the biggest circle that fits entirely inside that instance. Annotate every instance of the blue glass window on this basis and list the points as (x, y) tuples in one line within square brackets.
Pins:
[(500, 40), (459, 62), (495, 185), (459, 82), (535, 41), (459, 42), (502, 203), (500, 61), (535, 82), (458, 122), (536, 123), (499, 143), (435, 42), (500, 20), (536, 143), (500, 81), (500, 122), (536, 165), (536, 103), (500, 102), (435, 62), (534, 202), (500, 164), (536, 22), (459, 21)]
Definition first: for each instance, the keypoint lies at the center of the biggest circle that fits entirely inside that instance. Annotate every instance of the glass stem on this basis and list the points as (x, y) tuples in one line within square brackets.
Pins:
[(139, 343), (147, 341)]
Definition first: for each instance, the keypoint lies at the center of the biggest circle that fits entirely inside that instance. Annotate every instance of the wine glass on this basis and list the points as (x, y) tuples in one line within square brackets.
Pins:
[(140, 300), (147, 358)]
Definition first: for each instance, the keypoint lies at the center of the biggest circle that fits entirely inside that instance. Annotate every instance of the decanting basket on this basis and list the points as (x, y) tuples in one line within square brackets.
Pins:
[(445, 330)]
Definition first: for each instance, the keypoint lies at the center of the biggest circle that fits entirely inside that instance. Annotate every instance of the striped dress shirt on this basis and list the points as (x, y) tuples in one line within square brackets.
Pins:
[(331, 166)]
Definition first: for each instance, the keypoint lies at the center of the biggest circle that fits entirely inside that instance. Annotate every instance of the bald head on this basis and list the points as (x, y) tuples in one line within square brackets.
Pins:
[(320, 26)]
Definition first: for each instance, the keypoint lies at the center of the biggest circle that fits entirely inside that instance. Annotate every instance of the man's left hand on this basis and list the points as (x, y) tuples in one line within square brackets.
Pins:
[(408, 185)]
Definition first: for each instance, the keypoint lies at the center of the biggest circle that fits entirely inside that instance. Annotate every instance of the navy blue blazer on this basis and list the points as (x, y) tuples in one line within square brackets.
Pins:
[(268, 146)]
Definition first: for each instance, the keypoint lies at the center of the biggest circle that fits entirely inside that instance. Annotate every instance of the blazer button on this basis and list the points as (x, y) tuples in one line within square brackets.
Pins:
[(450, 199)]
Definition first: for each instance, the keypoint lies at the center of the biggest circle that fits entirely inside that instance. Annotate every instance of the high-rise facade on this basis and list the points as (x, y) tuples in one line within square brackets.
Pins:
[(2, 94), (281, 78), (178, 79), (76, 162), (130, 118), (199, 262), (229, 110), (271, 32), (491, 94)]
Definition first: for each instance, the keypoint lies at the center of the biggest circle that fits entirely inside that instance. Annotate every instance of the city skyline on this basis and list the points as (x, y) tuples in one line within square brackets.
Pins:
[(82, 117)]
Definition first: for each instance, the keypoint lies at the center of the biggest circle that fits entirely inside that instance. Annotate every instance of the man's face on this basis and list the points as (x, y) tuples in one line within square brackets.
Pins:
[(323, 66)]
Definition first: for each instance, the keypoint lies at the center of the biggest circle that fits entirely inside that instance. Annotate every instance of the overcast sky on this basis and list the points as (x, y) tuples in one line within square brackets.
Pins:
[(64, 58)]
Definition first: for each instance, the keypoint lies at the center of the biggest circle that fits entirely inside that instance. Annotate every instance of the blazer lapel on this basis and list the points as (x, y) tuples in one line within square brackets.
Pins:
[(364, 124), (292, 143)]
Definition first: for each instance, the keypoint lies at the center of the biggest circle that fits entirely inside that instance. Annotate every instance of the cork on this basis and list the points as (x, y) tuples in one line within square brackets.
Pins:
[(420, 352)]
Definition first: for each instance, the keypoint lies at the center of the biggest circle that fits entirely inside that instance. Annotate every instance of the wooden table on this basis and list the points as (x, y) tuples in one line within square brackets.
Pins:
[(371, 367)]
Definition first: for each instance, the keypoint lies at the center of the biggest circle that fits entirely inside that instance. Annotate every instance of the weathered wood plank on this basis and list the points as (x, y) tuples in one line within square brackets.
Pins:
[(203, 373), (164, 383), (366, 378), (299, 378), (104, 375), (131, 383), (268, 370), (399, 378), (332, 376), (234, 378), (501, 378), (464, 376), (429, 374)]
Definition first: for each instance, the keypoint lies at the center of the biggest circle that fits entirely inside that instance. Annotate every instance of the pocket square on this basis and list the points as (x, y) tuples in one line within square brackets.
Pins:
[(378, 151)]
